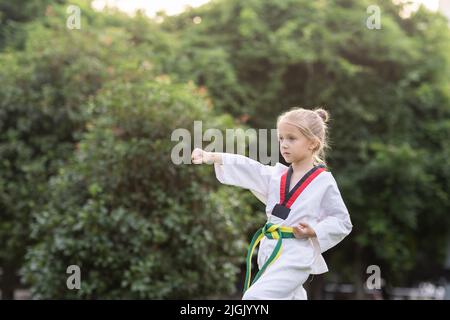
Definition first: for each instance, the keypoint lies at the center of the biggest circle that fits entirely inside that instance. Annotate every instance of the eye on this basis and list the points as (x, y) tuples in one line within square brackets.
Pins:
[(289, 138)]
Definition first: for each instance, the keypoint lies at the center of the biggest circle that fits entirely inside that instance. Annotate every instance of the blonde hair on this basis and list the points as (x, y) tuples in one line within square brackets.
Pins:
[(313, 124)]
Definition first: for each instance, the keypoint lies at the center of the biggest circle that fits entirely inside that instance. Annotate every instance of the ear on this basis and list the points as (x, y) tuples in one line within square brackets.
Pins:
[(313, 144)]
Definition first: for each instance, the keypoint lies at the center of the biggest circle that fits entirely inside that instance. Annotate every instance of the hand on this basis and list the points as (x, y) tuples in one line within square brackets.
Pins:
[(303, 230), (199, 156)]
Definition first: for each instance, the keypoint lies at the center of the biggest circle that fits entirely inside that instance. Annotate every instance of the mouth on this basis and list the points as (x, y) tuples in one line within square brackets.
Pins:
[(285, 153)]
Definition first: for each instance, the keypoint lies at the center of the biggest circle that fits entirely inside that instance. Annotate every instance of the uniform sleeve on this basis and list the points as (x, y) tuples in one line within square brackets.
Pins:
[(335, 223), (241, 171)]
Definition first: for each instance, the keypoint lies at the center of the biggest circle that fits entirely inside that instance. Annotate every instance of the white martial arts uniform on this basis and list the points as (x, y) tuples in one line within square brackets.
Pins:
[(320, 205)]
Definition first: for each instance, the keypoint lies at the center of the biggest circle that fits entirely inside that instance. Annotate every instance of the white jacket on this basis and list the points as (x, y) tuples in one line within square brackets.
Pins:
[(320, 204)]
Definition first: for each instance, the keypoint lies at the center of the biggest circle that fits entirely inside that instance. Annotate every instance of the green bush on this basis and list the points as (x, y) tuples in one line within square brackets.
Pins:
[(46, 84), (136, 224)]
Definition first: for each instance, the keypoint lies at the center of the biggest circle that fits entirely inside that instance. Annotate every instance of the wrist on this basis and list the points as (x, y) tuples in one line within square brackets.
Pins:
[(208, 157)]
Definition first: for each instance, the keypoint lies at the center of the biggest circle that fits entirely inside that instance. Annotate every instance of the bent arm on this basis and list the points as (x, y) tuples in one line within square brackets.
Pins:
[(335, 224)]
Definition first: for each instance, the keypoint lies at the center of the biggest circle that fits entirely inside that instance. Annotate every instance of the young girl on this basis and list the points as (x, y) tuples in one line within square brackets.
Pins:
[(305, 212)]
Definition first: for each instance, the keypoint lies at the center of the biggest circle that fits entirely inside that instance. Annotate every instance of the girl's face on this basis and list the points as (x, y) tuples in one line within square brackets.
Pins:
[(294, 146)]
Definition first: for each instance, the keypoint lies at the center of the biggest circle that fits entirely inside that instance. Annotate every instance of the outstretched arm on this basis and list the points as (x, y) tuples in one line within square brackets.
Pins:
[(237, 170)]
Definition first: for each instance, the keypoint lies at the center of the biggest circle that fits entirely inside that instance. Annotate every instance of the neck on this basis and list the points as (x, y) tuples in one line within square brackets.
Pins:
[(303, 165)]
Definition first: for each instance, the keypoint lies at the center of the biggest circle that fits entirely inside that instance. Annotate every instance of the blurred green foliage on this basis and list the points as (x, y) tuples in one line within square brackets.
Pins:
[(138, 226), (388, 92)]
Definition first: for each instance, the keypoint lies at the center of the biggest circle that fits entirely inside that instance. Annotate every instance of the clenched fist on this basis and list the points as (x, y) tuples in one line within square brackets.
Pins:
[(303, 230), (199, 156)]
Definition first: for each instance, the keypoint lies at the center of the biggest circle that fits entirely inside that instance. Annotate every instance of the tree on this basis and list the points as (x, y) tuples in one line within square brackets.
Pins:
[(46, 87), (137, 225), (386, 89)]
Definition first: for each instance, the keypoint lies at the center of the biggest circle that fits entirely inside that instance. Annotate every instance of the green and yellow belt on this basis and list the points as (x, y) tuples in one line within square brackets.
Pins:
[(271, 231)]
